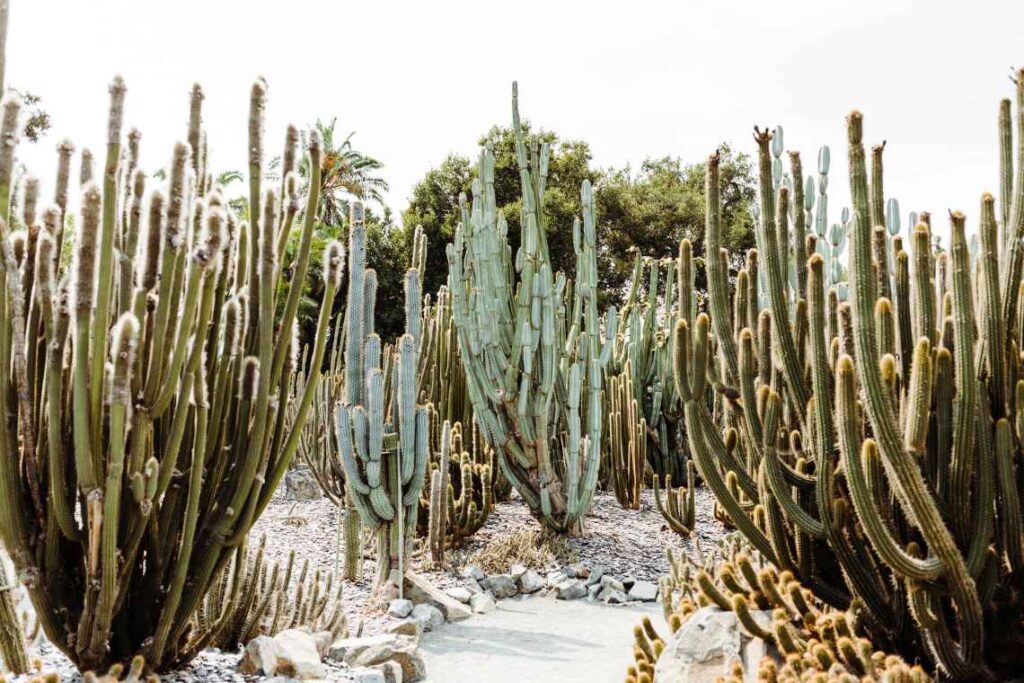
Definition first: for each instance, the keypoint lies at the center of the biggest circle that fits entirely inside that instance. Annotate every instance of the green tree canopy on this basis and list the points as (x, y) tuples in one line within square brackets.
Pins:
[(653, 209), (649, 210), (434, 203)]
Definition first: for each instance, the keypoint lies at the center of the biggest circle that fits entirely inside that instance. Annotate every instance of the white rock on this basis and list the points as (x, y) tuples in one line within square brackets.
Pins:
[(516, 571), (530, 582), (407, 627), (399, 608), (706, 645), (482, 603), (259, 657), (373, 650), (427, 615), (645, 591), (459, 593), (421, 591), (298, 656)]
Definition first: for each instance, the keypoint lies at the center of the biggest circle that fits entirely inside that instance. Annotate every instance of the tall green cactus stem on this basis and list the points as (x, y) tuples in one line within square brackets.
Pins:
[(532, 349), (384, 453), (144, 449)]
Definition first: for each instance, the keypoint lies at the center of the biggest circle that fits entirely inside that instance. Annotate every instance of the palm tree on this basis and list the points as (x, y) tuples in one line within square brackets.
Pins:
[(346, 171)]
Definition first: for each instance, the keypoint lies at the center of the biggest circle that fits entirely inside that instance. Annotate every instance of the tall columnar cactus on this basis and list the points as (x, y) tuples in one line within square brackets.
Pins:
[(146, 431), (882, 445), (384, 444), (532, 348)]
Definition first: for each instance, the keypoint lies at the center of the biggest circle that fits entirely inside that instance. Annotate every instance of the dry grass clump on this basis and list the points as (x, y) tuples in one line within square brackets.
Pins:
[(531, 548)]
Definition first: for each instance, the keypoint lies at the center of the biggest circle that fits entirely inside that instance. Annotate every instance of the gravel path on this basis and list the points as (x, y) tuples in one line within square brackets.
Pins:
[(627, 543)]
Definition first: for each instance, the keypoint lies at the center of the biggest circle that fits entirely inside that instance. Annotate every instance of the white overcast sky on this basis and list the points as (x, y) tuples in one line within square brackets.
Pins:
[(635, 79)]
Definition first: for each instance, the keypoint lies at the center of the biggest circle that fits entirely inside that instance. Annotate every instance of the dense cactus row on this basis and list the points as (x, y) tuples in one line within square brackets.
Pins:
[(532, 348), (148, 383), (879, 438)]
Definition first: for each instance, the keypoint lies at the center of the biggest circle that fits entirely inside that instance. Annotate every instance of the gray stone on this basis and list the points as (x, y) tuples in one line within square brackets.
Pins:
[(373, 650), (530, 582), (473, 587), (556, 577), (706, 646), (421, 591), (593, 590), (407, 627), (501, 585), (300, 484), (645, 591), (571, 589), (474, 572), (608, 581), (516, 571), (399, 608), (427, 615), (595, 575), (459, 593), (612, 596), (482, 603)]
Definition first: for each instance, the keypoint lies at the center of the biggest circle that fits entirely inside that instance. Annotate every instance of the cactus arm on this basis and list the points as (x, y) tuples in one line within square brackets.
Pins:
[(769, 250), (301, 263), (105, 272), (718, 286)]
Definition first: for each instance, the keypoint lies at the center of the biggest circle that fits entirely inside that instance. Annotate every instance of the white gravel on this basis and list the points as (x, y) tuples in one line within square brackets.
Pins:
[(626, 543)]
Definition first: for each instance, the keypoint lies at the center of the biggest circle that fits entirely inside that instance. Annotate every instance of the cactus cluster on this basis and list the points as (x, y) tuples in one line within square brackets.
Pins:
[(252, 598), (814, 642), (531, 347), (871, 447), (461, 493), (148, 383), (644, 414), (383, 432)]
